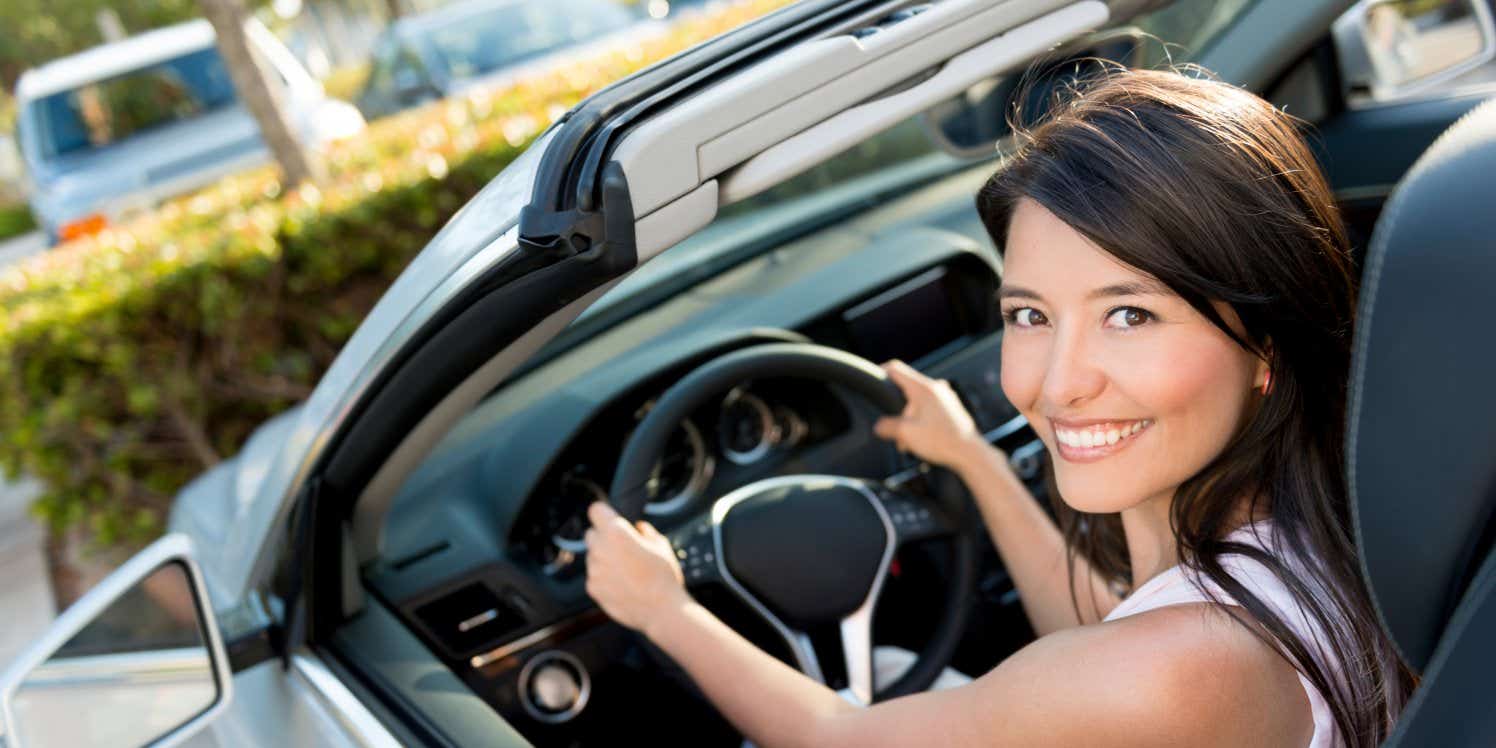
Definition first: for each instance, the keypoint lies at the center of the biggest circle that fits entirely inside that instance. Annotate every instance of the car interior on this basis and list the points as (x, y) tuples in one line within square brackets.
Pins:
[(462, 611)]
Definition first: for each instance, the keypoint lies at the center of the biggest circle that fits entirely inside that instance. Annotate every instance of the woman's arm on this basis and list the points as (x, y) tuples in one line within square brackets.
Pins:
[(936, 427), (1031, 546), (1181, 676)]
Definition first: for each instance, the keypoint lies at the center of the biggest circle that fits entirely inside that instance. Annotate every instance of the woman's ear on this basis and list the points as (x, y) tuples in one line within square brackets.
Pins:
[(1262, 372)]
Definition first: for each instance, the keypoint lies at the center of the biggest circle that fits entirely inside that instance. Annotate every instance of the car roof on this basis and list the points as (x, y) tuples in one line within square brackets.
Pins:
[(114, 58)]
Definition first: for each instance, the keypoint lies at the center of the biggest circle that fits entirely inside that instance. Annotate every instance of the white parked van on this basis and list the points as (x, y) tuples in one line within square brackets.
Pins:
[(121, 126)]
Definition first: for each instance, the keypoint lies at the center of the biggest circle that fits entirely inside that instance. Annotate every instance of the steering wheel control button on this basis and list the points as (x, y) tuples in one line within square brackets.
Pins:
[(911, 520), (695, 548), (554, 686)]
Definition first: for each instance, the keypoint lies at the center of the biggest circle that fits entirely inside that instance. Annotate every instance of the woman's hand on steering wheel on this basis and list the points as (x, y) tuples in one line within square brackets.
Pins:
[(632, 571), (934, 425)]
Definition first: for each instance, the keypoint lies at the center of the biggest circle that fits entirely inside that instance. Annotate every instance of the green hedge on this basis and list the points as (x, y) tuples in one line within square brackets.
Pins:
[(133, 360), (15, 220)]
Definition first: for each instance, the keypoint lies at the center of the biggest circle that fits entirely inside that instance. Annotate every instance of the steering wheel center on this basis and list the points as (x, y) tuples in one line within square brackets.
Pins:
[(812, 548)]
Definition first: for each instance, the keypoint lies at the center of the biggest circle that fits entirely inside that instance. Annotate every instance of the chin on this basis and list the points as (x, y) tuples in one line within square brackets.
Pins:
[(1094, 489)]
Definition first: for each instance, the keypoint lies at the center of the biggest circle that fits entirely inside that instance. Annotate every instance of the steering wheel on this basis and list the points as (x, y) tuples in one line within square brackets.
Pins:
[(806, 552)]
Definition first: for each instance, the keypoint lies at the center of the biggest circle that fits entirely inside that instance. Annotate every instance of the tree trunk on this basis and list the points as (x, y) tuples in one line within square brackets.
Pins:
[(392, 10), (252, 82)]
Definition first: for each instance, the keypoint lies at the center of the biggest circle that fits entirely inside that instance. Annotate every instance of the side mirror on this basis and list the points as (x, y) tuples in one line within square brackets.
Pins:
[(1390, 49), (138, 660)]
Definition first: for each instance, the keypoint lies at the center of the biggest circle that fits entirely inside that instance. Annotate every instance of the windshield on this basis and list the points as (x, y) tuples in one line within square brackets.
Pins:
[(484, 42), (101, 113)]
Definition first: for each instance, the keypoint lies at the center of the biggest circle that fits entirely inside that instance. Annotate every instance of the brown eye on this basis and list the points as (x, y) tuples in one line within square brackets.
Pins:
[(1128, 317), (1026, 316)]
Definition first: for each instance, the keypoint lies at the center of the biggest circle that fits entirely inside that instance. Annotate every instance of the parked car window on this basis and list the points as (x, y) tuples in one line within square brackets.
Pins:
[(104, 112), (408, 78), (485, 42)]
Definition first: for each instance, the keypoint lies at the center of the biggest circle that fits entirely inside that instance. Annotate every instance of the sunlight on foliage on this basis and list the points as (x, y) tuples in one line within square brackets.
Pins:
[(135, 359)]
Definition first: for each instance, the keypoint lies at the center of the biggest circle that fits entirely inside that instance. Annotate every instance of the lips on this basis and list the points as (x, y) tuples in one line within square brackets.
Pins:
[(1088, 441)]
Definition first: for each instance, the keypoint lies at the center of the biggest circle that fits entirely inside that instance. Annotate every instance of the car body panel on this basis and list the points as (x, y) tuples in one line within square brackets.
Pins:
[(263, 480)]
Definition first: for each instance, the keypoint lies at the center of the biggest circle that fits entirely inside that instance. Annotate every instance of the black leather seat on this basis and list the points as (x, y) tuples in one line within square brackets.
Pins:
[(1421, 440)]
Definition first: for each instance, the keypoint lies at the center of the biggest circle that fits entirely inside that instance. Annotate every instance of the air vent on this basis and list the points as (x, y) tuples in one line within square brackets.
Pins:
[(469, 619)]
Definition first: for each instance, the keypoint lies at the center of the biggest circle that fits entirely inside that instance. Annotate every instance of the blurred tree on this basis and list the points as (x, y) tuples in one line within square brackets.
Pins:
[(39, 30), (252, 83), (393, 10)]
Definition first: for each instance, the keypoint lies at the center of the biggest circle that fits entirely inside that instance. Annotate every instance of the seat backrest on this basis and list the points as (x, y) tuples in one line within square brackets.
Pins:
[(1421, 440)]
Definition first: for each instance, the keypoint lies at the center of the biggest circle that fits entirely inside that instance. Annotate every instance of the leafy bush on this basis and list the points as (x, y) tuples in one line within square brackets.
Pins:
[(132, 360), (15, 220)]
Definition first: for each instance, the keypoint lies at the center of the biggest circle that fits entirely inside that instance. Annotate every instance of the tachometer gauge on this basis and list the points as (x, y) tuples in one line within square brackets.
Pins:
[(746, 427), (681, 474), (792, 428), (577, 494)]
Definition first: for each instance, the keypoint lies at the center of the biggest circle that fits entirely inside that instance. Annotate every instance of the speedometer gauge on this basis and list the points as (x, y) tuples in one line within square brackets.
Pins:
[(746, 427), (681, 474)]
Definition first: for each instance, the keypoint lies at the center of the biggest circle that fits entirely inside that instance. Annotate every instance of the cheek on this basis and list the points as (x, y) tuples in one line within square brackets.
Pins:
[(1022, 371), (1180, 377), (1194, 387)]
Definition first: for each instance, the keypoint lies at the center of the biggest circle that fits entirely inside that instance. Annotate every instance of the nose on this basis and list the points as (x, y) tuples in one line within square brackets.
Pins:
[(1073, 375)]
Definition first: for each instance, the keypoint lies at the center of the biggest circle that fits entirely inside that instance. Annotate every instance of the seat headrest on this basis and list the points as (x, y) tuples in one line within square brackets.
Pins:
[(1421, 441)]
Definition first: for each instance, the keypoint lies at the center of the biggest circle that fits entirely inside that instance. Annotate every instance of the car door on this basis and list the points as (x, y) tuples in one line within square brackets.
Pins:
[(622, 177)]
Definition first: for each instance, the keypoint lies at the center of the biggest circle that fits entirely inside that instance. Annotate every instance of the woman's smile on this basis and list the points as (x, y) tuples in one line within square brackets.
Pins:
[(1089, 441)]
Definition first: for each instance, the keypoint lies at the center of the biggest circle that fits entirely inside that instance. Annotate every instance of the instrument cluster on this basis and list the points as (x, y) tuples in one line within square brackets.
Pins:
[(737, 437)]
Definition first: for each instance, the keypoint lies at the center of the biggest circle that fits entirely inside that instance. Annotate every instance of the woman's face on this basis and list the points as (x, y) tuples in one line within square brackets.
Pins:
[(1131, 389)]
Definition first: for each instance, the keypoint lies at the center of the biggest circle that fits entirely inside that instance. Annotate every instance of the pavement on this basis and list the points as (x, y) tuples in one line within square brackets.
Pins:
[(25, 587), (26, 604), (16, 248)]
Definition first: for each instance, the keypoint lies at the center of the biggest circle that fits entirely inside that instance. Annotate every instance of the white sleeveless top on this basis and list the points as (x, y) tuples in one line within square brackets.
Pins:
[(1176, 586)]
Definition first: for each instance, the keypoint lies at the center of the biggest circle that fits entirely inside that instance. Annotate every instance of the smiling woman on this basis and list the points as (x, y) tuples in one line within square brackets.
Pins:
[(1221, 312), (1177, 291)]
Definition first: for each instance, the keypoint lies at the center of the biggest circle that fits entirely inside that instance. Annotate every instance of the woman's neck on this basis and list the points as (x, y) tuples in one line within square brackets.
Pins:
[(1151, 546), (1150, 542)]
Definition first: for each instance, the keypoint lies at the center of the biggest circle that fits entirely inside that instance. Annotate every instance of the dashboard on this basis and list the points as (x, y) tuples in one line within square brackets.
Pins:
[(483, 557)]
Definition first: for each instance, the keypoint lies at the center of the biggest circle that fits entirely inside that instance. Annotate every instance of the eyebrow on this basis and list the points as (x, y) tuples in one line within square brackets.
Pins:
[(1128, 288)]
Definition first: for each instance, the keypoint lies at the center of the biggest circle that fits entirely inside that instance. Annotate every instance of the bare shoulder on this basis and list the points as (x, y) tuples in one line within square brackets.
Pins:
[(1179, 675)]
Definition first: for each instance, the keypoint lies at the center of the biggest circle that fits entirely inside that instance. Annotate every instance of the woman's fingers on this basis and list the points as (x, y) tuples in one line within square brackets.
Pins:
[(604, 516), (599, 512)]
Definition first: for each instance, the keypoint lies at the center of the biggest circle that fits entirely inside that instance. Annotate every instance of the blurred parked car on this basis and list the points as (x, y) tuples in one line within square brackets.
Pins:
[(121, 126), (438, 54)]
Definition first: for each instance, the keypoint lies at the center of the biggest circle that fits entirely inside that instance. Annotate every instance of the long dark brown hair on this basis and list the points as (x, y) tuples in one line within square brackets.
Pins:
[(1213, 192)]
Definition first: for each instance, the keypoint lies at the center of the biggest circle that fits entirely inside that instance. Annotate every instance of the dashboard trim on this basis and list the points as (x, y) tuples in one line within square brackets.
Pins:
[(1012, 426)]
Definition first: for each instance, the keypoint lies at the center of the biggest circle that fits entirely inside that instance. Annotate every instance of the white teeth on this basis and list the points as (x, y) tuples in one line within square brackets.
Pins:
[(1098, 438)]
